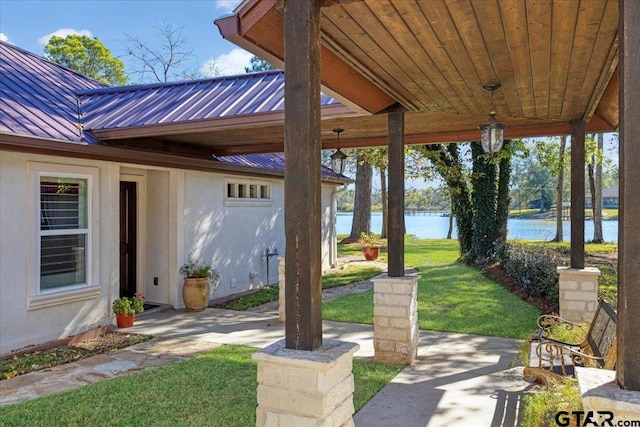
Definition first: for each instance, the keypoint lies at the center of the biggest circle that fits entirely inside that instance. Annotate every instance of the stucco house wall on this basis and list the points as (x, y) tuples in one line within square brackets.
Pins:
[(179, 213)]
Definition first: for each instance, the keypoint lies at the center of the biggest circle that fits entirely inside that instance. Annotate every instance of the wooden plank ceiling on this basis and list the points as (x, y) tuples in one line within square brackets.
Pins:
[(556, 61)]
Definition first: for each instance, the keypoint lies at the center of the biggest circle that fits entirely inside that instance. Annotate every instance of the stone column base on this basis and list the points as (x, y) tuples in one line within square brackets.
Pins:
[(281, 280), (305, 388), (600, 392), (578, 293), (395, 319)]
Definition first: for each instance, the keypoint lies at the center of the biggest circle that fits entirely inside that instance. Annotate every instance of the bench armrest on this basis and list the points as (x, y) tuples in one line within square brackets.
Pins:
[(547, 323)]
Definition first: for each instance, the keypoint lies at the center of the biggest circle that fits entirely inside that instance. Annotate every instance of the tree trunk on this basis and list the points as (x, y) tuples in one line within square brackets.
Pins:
[(559, 189), (385, 205), (503, 202), (362, 203), (484, 205), (450, 231), (597, 197), (592, 185)]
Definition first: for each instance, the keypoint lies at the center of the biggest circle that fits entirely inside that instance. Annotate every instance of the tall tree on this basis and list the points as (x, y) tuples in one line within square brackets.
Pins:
[(504, 200), (167, 59), (484, 198), (258, 64), (597, 196), (362, 203), (378, 158), (87, 56), (551, 156), (446, 160)]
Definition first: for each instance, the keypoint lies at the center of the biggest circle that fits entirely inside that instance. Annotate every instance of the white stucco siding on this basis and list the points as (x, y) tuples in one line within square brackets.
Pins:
[(28, 316), (234, 234), (179, 212)]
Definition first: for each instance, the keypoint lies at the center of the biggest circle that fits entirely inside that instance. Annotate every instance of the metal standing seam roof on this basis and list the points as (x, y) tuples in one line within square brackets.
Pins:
[(180, 102), (38, 97), (273, 161)]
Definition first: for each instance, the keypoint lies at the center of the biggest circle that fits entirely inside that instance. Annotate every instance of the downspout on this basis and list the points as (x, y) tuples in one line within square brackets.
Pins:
[(334, 233)]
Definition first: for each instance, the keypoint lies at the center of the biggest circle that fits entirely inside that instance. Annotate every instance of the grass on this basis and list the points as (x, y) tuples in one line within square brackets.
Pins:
[(541, 407), (351, 274), (451, 297), (565, 247), (215, 388)]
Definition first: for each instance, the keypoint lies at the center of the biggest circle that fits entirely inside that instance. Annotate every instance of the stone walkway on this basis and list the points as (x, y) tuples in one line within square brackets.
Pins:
[(456, 380)]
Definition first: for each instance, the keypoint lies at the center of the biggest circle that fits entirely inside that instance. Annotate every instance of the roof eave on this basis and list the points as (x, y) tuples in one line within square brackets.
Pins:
[(30, 144)]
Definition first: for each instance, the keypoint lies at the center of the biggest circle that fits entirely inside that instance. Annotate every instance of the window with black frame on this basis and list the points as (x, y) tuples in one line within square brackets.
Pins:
[(63, 232)]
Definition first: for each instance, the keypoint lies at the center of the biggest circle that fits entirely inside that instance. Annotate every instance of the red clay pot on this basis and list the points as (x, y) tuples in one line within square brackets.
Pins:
[(371, 253), (125, 321)]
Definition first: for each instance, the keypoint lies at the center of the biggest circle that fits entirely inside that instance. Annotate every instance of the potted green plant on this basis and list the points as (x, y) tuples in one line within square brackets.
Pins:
[(370, 245), (125, 309), (199, 276)]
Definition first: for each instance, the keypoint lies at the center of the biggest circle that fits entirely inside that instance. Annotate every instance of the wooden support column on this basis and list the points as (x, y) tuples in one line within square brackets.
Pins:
[(395, 227), (628, 363), (302, 143), (577, 193)]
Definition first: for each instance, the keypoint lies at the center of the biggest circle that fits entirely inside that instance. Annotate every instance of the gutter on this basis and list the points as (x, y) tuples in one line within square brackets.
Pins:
[(83, 150)]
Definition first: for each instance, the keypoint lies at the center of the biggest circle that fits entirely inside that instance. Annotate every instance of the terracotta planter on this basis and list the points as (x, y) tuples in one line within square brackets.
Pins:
[(371, 253), (124, 321), (195, 293)]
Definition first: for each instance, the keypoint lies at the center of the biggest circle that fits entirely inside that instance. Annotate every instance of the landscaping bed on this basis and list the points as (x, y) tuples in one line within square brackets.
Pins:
[(48, 357)]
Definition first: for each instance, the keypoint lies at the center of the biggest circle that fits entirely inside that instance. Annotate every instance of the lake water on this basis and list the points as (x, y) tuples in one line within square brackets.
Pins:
[(436, 227)]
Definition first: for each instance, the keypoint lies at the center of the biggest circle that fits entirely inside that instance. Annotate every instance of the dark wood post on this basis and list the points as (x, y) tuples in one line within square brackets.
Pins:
[(628, 363), (302, 144), (577, 193), (395, 227)]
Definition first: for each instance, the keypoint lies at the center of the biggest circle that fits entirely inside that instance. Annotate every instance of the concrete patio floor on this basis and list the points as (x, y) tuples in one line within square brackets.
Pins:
[(457, 380)]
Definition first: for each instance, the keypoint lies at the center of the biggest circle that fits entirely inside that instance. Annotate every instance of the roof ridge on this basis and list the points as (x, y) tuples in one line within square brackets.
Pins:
[(156, 85)]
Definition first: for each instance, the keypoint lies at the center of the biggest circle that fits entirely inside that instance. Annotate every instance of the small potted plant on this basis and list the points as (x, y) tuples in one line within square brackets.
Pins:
[(370, 245), (198, 277), (126, 308)]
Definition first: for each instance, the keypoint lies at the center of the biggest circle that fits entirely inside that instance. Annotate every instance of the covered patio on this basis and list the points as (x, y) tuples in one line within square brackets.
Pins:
[(415, 71)]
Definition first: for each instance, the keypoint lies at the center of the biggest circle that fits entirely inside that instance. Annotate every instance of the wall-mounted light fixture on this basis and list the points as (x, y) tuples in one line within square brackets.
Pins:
[(492, 132), (338, 158)]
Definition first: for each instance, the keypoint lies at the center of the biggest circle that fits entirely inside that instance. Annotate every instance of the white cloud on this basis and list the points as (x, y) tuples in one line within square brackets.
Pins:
[(227, 64), (227, 5), (63, 32), (4, 37)]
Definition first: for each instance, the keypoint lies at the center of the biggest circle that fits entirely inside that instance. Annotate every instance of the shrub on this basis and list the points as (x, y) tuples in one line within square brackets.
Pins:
[(534, 269)]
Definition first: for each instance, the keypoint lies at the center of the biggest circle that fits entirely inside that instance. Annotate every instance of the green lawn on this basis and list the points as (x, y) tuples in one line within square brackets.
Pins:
[(217, 388), (451, 297), (351, 274)]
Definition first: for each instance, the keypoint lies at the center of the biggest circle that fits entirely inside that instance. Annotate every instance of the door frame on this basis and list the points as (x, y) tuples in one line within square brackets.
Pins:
[(141, 190)]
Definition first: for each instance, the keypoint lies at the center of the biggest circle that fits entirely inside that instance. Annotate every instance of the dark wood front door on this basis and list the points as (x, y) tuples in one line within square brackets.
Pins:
[(128, 241)]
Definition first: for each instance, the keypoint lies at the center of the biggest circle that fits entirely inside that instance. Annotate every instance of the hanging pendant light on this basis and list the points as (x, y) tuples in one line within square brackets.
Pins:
[(492, 132), (338, 158)]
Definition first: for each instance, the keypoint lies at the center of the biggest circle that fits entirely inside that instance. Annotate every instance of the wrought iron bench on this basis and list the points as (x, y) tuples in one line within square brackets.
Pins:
[(552, 360)]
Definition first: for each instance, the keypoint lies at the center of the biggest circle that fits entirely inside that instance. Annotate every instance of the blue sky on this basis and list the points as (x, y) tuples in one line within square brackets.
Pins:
[(29, 24)]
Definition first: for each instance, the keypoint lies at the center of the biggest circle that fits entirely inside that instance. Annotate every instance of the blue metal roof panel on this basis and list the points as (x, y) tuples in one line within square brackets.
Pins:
[(162, 103), (37, 97)]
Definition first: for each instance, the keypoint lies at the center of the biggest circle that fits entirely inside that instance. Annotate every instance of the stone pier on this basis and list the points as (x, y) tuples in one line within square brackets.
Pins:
[(305, 388), (578, 293), (395, 319)]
